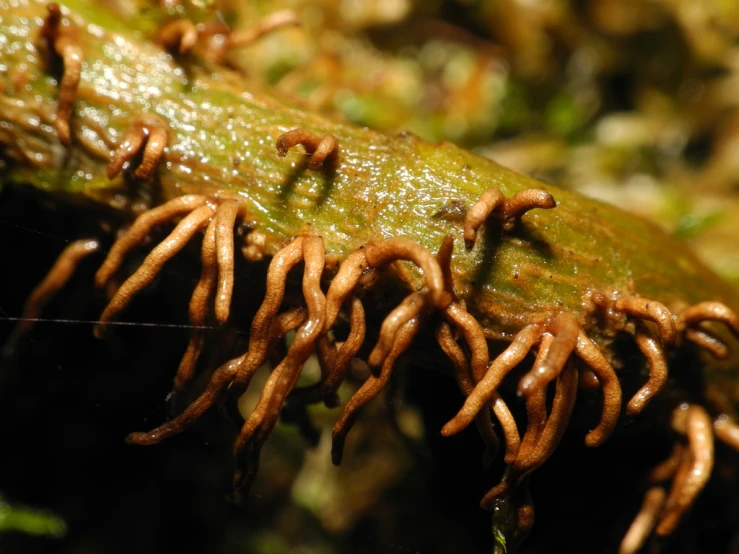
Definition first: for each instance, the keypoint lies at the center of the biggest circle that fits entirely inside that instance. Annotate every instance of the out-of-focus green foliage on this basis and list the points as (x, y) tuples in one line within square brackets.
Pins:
[(30, 521)]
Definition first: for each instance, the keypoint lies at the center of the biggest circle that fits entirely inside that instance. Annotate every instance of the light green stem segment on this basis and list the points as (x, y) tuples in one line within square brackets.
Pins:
[(224, 130)]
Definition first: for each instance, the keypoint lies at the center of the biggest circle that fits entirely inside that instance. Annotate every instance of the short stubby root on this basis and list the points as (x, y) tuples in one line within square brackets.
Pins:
[(320, 148), (147, 137), (61, 46)]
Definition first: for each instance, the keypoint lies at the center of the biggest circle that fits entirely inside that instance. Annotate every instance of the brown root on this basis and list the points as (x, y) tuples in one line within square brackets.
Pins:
[(320, 148), (179, 36), (370, 389), (62, 45), (153, 263), (693, 472), (692, 317), (655, 354), (727, 431), (148, 131), (644, 522), (57, 277), (652, 310), (408, 309), (493, 202), (271, 23), (225, 221)]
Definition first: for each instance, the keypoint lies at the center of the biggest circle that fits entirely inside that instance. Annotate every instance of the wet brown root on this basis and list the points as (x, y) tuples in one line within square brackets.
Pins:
[(62, 45), (148, 131), (225, 220), (493, 202), (271, 23), (694, 470), (644, 522), (153, 263), (55, 279), (655, 354), (651, 310), (319, 147), (408, 309), (179, 36), (727, 431), (692, 317), (370, 389)]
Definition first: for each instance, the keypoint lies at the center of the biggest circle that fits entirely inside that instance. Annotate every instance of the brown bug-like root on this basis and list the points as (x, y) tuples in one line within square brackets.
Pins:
[(60, 44), (216, 280), (149, 132), (319, 147), (492, 202), (55, 279)]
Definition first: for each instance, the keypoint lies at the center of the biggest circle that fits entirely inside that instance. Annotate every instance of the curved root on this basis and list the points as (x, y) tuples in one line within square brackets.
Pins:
[(148, 131), (179, 36), (320, 148)]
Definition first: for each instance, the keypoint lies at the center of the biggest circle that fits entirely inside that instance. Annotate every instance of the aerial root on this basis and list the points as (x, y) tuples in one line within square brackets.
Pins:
[(694, 467), (408, 309), (319, 147), (564, 327), (533, 454), (57, 277), (692, 318), (152, 265), (179, 36), (655, 355), (492, 202), (148, 131), (281, 381), (644, 522), (62, 45), (270, 24), (217, 261), (651, 310), (371, 388), (383, 252)]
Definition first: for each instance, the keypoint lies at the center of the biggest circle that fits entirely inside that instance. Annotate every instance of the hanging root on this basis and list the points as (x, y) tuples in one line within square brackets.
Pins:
[(270, 24), (61, 45), (691, 320), (149, 132), (320, 148), (55, 279), (492, 202), (689, 469), (179, 36)]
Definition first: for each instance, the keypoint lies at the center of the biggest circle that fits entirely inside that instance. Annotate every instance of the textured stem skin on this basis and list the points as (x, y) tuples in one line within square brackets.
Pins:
[(224, 130)]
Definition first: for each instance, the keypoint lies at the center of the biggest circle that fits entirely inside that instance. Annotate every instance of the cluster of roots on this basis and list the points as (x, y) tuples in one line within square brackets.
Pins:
[(565, 358)]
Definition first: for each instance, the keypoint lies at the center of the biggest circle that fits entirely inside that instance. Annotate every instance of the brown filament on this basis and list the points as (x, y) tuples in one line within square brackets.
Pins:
[(693, 473), (526, 462), (479, 212), (485, 388), (343, 283), (564, 327), (140, 229), (708, 341), (357, 331), (711, 311), (654, 311), (536, 403), (198, 310), (320, 148), (281, 381), (408, 309), (666, 469), (153, 263), (370, 389), (493, 201), (444, 258), (259, 340), (589, 353), (179, 36), (727, 431), (148, 131), (271, 23), (655, 355), (466, 383), (58, 276), (644, 522), (59, 41), (225, 220), (213, 390), (474, 336), (386, 251)]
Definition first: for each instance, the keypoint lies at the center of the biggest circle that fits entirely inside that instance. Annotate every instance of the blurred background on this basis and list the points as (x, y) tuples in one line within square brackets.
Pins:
[(635, 102)]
